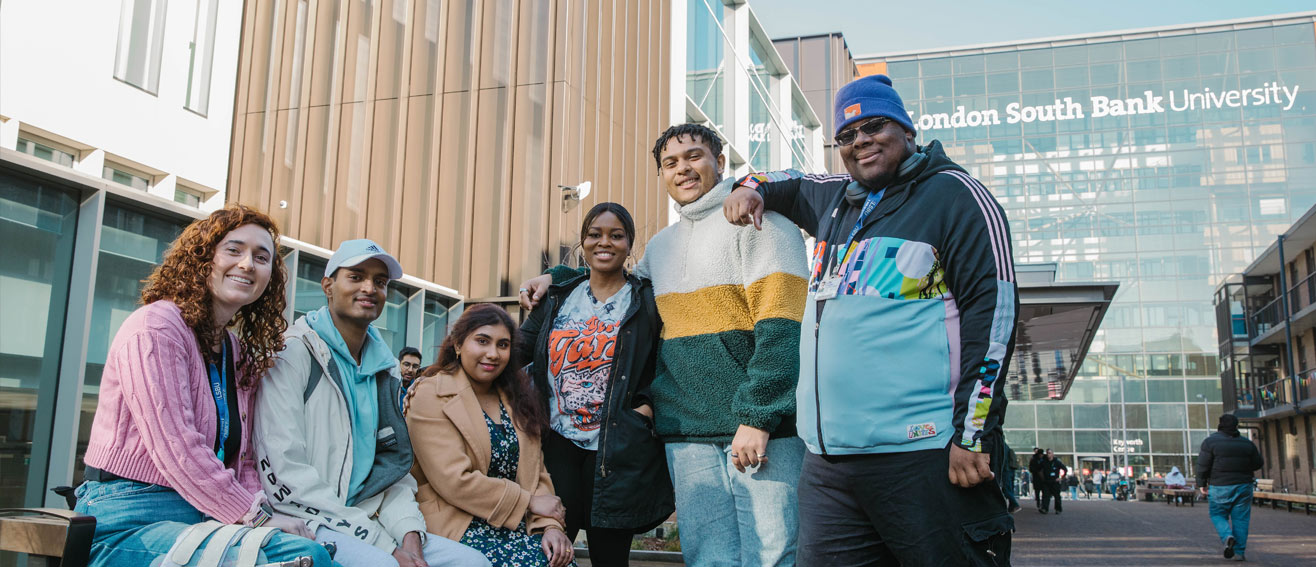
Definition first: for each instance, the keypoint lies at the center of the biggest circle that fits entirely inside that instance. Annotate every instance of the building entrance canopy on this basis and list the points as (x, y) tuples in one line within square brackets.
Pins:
[(1057, 322)]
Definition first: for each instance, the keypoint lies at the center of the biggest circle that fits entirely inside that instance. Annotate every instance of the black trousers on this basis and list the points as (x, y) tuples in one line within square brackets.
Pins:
[(572, 469), (1051, 489), (898, 509)]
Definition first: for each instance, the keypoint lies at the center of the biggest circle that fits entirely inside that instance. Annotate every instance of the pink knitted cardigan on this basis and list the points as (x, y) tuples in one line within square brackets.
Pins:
[(156, 420)]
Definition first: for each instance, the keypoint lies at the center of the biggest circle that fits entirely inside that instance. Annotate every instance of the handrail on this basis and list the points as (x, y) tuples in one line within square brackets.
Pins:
[(1265, 318), (1309, 283)]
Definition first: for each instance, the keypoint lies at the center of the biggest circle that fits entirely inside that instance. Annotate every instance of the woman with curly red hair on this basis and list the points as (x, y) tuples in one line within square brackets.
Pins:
[(170, 443)]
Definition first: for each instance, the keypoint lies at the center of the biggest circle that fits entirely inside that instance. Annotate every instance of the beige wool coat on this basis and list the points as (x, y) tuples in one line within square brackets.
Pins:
[(452, 447)]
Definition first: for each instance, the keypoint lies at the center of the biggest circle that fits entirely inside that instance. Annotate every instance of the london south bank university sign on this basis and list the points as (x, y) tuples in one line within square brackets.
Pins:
[(1101, 106)]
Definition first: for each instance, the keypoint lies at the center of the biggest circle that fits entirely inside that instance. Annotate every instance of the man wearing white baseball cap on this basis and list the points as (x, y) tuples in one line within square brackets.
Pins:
[(331, 443)]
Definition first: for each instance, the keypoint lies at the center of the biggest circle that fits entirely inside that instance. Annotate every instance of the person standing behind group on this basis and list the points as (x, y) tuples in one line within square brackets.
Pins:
[(1053, 473), (594, 344), (731, 301), (331, 442), (480, 468), (170, 443), (1098, 480), (409, 366), (1035, 470), (1224, 475)]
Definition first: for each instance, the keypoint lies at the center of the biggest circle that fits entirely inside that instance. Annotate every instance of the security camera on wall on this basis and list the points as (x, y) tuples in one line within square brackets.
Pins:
[(572, 196)]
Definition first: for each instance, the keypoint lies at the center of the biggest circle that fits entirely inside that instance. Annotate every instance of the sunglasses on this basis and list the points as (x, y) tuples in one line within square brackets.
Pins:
[(869, 128)]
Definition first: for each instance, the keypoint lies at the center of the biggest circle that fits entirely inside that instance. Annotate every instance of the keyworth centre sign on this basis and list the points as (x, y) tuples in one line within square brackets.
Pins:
[(1269, 94)]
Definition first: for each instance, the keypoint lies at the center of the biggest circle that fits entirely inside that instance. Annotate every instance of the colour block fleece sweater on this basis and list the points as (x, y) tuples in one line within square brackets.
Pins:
[(731, 299)]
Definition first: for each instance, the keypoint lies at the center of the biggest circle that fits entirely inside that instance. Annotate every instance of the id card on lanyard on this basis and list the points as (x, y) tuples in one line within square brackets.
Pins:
[(219, 388), (831, 283)]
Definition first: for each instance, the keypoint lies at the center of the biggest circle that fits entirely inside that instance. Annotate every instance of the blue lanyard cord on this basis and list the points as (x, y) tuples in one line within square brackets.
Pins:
[(219, 388), (869, 204)]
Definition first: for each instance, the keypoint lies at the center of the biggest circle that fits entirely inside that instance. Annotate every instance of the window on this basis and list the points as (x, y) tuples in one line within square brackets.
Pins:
[(123, 176), (44, 151), (141, 41), (38, 225), (187, 198), (203, 55)]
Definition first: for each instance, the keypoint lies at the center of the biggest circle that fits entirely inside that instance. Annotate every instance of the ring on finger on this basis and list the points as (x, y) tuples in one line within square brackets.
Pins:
[(763, 455)]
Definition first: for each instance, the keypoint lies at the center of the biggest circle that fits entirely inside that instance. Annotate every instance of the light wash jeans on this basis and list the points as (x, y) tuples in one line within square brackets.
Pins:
[(439, 552), (1233, 502), (728, 518), (137, 523)]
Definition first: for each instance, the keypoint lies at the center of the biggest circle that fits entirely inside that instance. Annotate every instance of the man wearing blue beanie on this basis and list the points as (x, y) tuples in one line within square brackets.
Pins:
[(913, 302)]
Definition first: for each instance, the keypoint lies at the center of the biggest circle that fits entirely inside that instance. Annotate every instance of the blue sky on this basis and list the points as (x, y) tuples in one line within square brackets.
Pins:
[(874, 27)]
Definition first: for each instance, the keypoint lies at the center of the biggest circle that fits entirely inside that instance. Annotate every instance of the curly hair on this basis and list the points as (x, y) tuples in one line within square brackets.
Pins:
[(696, 133), (184, 278), (526, 408)]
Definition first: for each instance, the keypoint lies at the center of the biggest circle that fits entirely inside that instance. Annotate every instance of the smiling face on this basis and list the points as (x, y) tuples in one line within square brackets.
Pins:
[(689, 168), (244, 260), (874, 160), (605, 244), (357, 293), (485, 352)]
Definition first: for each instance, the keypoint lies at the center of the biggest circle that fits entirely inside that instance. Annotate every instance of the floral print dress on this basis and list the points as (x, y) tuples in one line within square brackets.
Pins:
[(501, 545)]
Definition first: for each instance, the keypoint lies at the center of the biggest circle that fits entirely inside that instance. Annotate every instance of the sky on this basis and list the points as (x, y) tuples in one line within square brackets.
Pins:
[(874, 27)]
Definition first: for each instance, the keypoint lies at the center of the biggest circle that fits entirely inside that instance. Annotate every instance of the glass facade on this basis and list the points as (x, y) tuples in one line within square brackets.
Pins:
[(742, 89), (1165, 164), (37, 227)]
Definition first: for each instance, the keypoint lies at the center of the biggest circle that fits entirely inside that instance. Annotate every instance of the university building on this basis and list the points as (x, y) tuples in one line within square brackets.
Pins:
[(1165, 159)]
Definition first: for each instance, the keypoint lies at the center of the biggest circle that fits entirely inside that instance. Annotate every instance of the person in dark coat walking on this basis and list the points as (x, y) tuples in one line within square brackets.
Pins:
[(1225, 464), (594, 341), (1035, 471), (1053, 473)]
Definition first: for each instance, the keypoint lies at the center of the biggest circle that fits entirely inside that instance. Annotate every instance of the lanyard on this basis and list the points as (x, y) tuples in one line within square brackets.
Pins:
[(219, 388), (869, 204)]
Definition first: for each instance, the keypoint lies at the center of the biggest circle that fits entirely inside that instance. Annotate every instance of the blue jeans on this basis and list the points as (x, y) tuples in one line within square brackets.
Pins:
[(137, 523), (728, 518), (1233, 502)]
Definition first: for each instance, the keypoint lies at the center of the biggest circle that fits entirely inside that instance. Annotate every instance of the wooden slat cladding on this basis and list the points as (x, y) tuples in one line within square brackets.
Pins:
[(442, 128)]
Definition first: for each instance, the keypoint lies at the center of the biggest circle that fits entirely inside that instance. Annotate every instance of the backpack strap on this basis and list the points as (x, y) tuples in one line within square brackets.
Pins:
[(190, 540), (252, 542), (317, 372), (219, 544)]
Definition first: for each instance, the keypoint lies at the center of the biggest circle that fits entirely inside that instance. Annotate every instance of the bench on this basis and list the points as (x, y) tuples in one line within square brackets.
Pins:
[(1265, 485), (1177, 496), (52, 537), (1304, 501)]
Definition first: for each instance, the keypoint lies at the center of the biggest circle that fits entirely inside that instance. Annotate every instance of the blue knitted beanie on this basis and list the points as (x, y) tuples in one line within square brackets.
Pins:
[(867, 97)]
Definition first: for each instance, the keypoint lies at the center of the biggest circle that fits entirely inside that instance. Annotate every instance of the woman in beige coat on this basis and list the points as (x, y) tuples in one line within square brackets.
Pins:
[(475, 425)]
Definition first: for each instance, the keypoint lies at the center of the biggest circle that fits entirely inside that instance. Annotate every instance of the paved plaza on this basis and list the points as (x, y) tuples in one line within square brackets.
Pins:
[(1128, 534), (1095, 533)]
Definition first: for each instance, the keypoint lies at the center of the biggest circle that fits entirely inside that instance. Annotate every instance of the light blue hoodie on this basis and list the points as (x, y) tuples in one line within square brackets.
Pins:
[(360, 390)]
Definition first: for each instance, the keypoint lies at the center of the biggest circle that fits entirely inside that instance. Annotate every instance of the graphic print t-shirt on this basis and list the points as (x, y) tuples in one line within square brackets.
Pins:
[(581, 348)]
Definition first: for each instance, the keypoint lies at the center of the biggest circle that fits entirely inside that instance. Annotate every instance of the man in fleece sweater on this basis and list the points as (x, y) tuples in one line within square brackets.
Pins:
[(731, 299), (913, 304)]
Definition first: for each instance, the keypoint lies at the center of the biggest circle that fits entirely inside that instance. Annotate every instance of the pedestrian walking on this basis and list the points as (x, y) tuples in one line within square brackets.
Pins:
[(1053, 472), (1071, 481), (1224, 475), (1099, 477), (1035, 470)]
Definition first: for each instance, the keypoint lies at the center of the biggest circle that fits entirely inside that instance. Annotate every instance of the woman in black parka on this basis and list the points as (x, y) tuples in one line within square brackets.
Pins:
[(594, 341)]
